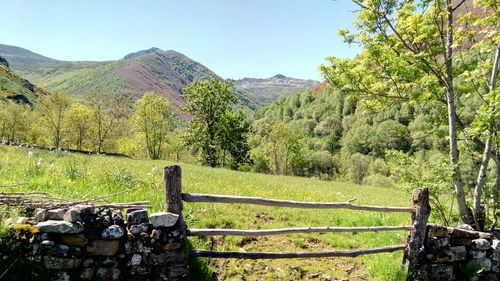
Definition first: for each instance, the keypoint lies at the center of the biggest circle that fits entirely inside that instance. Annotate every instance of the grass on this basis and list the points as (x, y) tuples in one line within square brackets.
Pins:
[(76, 176)]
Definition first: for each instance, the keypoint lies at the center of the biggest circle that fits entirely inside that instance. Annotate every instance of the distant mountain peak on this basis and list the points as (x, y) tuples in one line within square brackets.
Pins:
[(279, 76), (142, 53)]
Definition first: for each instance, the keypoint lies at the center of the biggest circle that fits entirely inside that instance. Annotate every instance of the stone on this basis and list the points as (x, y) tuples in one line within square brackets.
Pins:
[(61, 250), (436, 230), (137, 217), (88, 209), (74, 240), (465, 227), (62, 276), (53, 226), (88, 262), (72, 215), (438, 242), (41, 215), (92, 234), (87, 274), (485, 263), (135, 259), (136, 229), (451, 254), (477, 254), (117, 218), (109, 262), (47, 243), (133, 247), (462, 233), (460, 241), (480, 244), (112, 232), (56, 214), (108, 274), (51, 262), (102, 247), (76, 252), (495, 244), (163, 219), (441, 272)]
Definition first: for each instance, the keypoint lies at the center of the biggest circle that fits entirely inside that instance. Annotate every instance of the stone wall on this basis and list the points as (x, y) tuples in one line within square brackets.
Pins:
[(459, 253), (92, 243)]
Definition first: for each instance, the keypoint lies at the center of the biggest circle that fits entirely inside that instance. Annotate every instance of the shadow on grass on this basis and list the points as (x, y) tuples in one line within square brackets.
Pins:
[(199, 269)]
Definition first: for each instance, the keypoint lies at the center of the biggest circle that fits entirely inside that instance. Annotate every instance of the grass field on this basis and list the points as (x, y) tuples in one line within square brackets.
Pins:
[(77, 176)]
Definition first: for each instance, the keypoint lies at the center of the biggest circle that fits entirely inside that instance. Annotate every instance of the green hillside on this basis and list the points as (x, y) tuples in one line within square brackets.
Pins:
[(14, 87), (77, 176), (165, 72)]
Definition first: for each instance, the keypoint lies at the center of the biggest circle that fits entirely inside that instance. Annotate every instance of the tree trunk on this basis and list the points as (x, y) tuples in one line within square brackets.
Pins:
[(478, 190), (452, 118)]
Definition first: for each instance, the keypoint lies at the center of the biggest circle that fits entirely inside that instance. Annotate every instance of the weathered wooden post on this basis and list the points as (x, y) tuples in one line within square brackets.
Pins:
[(420, 215), (173, 181)]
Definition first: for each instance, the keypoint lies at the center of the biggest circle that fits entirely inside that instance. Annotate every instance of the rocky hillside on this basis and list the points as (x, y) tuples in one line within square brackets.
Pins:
[(265, 91), (13, 87), (165, 72)]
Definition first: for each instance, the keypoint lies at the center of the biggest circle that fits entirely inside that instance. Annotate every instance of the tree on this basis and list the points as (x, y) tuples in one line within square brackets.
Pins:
[(153, 118), (52, 109), (14, 121), (408, 56), (214, 130), (107, 110), (78, 123), (281, 145)]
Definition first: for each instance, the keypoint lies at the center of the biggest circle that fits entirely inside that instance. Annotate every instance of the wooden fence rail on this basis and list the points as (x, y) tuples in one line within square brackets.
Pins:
[(196, 197), (412, 249), (243, 232), (291, 255)]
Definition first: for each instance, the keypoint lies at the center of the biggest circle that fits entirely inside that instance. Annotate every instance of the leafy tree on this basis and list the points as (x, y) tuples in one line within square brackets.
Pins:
[(153, 118), (408, 56), (214, 130), (107, 110), (52, 109), (78, 123), (281, 146), (14, 121)]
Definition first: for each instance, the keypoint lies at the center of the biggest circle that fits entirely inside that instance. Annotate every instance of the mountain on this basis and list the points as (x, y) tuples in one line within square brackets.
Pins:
[(13, 87), (265, 91), (165, 72)]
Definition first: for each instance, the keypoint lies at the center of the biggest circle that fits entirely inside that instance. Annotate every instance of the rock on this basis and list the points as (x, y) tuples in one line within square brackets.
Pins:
[(465, 227), (481, 244), (102, 247), (52, 226), (477, 254), (72, 215), (451, 254), (171, 246), (112, 232), (56, 214), (436, 230), (441, 272), (163, 219), (137, 217), (93, 234), (136, 229), (117, 218), (47, 244), (74, 240), (460, 241), (109, 262), (61, 250), (88, 209), (62, 276), (51, 262), (438, 242), (485, 263), (41, 215), (135, 260), (88, 262), (108, 274), (133, 247), (87, 274)]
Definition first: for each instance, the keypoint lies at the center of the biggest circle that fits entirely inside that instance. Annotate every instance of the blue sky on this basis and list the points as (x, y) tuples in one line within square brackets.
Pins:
[(236, 39)]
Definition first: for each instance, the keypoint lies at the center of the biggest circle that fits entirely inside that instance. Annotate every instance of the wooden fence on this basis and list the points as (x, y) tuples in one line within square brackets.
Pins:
[(419, 214)]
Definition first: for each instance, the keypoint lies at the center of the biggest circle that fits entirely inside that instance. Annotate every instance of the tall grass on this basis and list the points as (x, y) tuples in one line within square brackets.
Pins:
[(75, 176)]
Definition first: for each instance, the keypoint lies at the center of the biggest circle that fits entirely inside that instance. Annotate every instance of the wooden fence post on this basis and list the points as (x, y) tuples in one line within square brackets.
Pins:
[(173, 181), (422, 210)]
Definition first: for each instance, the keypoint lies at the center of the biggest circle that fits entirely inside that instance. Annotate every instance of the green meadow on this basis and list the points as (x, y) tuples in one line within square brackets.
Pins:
[(78, 176)]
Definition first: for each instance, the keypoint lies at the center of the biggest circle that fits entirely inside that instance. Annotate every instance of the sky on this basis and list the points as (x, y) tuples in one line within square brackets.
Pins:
[(234, 38)]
